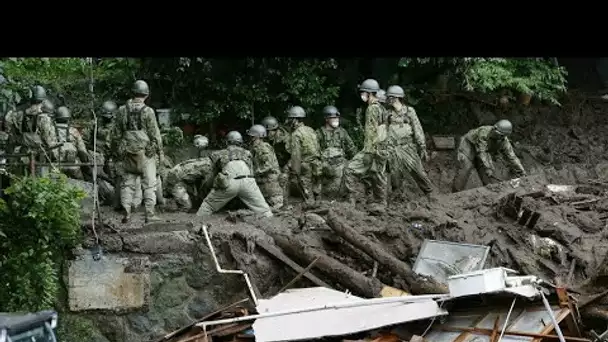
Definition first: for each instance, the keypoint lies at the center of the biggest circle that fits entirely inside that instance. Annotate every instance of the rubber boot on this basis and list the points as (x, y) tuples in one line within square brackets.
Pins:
[(151, 216), (127, 215)]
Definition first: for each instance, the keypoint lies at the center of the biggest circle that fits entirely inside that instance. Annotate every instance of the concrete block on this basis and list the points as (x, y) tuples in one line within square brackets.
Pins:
[(114, 283)]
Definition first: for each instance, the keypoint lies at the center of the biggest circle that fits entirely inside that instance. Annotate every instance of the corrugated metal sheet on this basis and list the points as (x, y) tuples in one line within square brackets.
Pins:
[(333, 320), (530, 320)]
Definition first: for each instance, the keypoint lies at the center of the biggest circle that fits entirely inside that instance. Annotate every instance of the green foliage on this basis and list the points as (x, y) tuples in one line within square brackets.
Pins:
[(68, 78), (534, 76), (526, 75), (39, 221), (213, 88), (173, 137), (73, 328)]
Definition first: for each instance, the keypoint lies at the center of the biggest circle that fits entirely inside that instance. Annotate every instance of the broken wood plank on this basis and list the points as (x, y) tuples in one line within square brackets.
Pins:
[(348, 277), (275, 252), (293, 281), (418, 284), (205, 318)]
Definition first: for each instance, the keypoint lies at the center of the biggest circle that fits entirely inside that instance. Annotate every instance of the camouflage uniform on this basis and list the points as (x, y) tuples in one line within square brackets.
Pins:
[(371, 161), (186, 175), (267, 172), (336, 149), (233, 178), (136, 116), (405, 139), (475, 152), (280, 144), (31, 130), (305, 163), (73, 149)]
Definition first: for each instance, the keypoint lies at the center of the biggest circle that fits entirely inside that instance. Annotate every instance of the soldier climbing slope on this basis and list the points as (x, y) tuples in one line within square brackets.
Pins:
[(265, 167), (406, 141), (233, 178), (190, 178), (476, 149), (137, 139), (73, 149), (336, 149), (371, 161), (305, 162)]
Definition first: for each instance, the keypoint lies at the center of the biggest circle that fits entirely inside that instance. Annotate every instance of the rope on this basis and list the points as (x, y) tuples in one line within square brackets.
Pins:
[(96, 210)]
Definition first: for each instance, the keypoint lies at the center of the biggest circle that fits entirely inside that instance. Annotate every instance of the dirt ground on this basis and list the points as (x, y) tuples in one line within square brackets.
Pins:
[(565, 246)]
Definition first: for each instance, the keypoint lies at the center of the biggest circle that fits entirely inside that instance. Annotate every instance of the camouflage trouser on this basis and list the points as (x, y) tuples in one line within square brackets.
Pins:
[(406, 159), (271, 189), (331, 178), (307, 181), (371, 165), (245, 189), (467, 162), (129, 186), (118, 173)]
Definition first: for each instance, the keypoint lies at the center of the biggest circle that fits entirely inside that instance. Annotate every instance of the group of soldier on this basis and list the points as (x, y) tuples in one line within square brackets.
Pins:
[(325, 163)]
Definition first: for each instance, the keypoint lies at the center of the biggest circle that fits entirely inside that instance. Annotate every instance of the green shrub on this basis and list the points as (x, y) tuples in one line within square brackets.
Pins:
[(38, 222)]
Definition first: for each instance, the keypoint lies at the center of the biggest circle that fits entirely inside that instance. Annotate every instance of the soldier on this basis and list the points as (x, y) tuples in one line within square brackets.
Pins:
[(31, 129), (187, 174), (371, 161), (20, 120), (336, 149), (406, 141), (138, 142), (278, 137), (232, 177), (265, 167), (305, 162), (73, 149), (476, 149)]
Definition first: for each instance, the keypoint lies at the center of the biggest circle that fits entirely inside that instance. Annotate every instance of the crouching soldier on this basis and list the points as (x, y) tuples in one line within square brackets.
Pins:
[(185, 179), (233, 178), (266, 167), (475, 153)]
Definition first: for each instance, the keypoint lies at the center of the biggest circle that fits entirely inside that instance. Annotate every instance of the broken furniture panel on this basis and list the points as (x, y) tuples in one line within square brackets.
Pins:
[(334, 313), (512, 206), (492, 280), (442, 259), (525, 324)]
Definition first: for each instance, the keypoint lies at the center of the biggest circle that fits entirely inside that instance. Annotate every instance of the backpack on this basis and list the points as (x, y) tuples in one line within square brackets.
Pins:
[(135, 139), (30, 135), (67, 152)]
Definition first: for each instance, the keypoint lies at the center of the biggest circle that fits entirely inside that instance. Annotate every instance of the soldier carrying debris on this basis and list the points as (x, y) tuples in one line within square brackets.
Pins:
[(233, 178), (476, 149)]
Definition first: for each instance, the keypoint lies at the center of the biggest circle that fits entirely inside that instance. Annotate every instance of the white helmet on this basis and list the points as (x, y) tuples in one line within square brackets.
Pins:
[(201, 141)]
